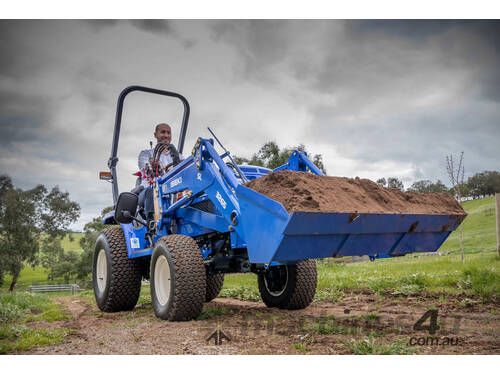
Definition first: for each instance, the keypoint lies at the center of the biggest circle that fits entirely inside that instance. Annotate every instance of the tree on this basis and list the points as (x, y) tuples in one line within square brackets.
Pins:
[(71, 265), (395, 183), (270, 156), (28, 218), (391, 182), (484, 183), (60, 263), (456, 175), (427, 186)]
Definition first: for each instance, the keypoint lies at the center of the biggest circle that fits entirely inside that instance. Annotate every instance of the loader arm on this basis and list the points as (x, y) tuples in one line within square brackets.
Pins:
[(298, 161)]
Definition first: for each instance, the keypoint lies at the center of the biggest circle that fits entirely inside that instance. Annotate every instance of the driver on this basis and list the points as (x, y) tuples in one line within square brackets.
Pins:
[(163, 134)]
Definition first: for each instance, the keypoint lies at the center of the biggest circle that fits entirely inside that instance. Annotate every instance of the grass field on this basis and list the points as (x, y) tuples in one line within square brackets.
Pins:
[(478, 278), (479, 228)]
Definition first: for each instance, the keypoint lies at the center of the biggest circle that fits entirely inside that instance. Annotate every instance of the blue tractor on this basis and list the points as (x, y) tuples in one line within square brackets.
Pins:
[(208, 223)]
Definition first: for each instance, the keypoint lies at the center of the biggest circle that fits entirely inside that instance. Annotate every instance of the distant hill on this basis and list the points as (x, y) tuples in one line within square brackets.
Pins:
[(74, 245)]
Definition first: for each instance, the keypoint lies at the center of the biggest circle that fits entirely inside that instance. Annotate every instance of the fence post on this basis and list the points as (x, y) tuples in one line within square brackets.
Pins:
[(497, 199)]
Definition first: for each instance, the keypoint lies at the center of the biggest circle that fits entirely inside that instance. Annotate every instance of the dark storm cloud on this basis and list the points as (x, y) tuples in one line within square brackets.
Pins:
[(92, 80), (489, 30), (153, 26), (462, 47), (18, 129), (261, 43), (413, 134), (100, 25), (18, 59), (409, 91), (412, 29), (23, 117)]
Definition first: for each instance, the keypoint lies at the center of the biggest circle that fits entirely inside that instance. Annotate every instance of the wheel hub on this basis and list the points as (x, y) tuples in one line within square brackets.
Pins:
[(162, 280), (276, 280), (101, 270)]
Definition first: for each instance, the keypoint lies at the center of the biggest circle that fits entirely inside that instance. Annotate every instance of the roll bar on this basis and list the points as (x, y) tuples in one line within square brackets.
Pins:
[(113, 159)]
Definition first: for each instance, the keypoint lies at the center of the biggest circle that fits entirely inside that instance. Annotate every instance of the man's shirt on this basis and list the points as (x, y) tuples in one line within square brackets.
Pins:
[(146, 155)]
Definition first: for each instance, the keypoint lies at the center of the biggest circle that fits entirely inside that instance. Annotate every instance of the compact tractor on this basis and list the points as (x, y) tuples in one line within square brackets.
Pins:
[(208, 223)]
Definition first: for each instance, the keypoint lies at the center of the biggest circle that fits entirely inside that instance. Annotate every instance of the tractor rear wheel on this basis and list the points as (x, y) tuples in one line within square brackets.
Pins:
[(214, 286), (116, 278), (178, 280), (290, 287)]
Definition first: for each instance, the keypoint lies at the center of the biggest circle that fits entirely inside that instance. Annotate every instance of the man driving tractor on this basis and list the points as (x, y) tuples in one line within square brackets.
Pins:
[(156, 162)]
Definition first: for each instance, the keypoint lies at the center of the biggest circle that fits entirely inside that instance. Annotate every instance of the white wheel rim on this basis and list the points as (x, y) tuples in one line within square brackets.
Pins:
[(162, 280), (280, 292), (101, 270)]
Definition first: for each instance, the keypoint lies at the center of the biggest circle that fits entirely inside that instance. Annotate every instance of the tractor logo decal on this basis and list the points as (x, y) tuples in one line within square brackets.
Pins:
[(134, 243), (176, 182), (221, 200)]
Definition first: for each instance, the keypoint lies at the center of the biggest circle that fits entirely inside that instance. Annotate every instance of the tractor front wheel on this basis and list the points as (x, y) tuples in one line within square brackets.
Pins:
[(177, 279), (290, 287), (116, 278)]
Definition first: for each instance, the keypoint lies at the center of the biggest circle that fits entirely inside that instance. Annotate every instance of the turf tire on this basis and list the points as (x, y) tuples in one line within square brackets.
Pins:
[(180, 295), (214, 286), (120, 285), (299, 288)]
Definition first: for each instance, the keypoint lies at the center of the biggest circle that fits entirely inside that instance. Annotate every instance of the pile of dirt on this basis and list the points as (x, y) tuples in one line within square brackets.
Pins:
[(306, 192)]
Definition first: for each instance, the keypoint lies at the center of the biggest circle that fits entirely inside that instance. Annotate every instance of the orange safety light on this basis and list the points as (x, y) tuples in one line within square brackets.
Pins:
[(105, 176)]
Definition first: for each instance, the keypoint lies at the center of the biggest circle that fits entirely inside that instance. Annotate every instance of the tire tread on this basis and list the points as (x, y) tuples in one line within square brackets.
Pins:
[(189, 292), (125, 282), (214, 286)]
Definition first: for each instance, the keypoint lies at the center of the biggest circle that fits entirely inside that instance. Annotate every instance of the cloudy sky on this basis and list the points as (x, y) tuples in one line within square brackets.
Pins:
[(375, 98)]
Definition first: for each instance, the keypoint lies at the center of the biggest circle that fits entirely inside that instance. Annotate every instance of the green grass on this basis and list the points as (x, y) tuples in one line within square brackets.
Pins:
[(406, 276), (51, 315), (27, 277), (16, 306), (326, 327), (22, 338), (479, 277), (370, 346), (241, 286), (478, 228), (16, 309)]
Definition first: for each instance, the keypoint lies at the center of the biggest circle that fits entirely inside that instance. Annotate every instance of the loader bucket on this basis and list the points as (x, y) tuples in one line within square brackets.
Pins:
[(274, 235)]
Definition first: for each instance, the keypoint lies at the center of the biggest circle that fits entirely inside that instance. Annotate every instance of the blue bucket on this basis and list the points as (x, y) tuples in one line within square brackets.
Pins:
[(274, 235)]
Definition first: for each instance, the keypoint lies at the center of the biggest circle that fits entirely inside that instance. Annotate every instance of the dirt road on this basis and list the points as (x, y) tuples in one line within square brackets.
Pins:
[(360, 323)]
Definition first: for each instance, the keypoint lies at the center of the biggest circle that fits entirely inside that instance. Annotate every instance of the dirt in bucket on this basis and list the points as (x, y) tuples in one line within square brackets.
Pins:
[(306, 192)]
